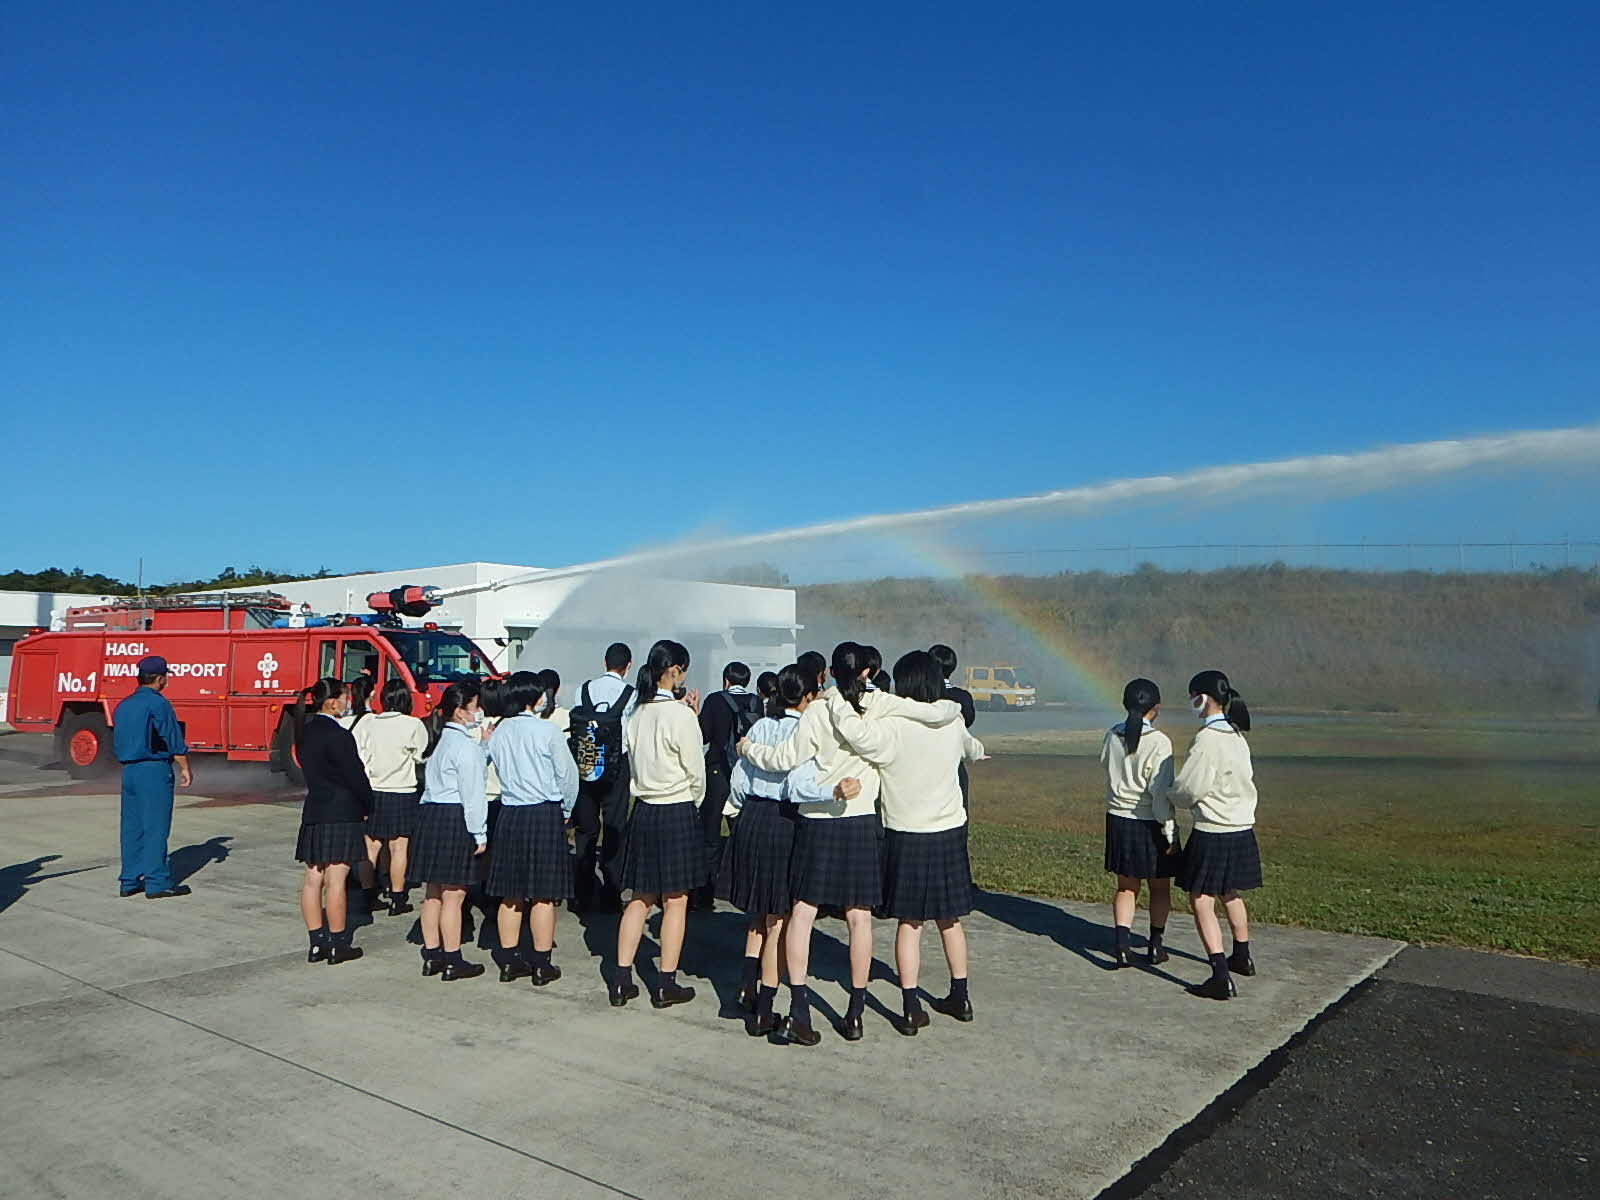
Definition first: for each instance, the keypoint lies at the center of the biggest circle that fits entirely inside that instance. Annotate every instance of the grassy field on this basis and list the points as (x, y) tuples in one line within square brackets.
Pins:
[(1483, 835)]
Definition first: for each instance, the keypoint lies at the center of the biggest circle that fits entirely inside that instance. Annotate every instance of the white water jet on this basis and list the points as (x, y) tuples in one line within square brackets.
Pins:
[(1324, 474)]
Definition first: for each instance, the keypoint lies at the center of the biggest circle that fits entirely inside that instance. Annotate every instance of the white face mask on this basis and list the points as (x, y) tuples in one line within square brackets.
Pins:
[(1199, 706)]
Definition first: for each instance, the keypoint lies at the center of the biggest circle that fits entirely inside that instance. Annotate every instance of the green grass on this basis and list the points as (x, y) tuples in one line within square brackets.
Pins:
[(1430, 833)]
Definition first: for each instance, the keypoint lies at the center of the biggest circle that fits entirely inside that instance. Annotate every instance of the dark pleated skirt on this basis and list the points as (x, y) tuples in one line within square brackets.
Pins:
[(665, 850), (394, 815), (441, 849), (756, 864), (528, 858), (838, 862), (1214, 863), (1138, 849), (926, 876), (331, 842)]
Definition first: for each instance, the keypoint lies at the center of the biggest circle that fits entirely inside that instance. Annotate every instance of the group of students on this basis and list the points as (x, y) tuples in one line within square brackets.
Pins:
[(846, 798)]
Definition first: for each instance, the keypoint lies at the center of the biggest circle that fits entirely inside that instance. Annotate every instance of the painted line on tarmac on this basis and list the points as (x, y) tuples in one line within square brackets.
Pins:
[(289, 1062)]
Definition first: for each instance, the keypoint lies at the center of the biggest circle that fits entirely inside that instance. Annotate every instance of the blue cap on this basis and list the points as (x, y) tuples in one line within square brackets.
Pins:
[(152, 664)]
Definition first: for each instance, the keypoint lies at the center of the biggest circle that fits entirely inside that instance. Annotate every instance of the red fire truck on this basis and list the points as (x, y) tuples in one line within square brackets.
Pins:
[(238, 664)]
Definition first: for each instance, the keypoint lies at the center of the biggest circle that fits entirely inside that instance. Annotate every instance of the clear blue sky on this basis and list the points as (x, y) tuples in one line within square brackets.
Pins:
[(373, 284)]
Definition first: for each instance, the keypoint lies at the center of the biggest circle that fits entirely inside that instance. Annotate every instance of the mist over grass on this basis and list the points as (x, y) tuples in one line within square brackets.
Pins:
[(1290, 637)]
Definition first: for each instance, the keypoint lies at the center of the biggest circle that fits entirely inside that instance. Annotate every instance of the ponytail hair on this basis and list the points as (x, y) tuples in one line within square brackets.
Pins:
[(1139, 697), (793, 685), (492, 695), (849, 660), (313, 698), (360, 689), (663, 656), (551, 682), (457, 695), (1215, 685), (767, 685)]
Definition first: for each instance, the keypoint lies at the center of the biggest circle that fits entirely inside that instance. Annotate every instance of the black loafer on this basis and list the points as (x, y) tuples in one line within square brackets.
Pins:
[(1123, 957), (317, 953), (761, 1024), (1215, 989), (343, 954), (542, 975), (747, 999), (1245, 965), (514, 970), (398, 907), (432, 966), (180, 890), (1155, 956), (135, 890), (673, 993), (620, 994), (908, 1025), (850, 1028), (461, 970), (961, 1010), (797, 1033)]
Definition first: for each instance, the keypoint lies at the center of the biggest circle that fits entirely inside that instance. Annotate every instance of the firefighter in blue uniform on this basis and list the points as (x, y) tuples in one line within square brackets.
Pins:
[(148, 742)]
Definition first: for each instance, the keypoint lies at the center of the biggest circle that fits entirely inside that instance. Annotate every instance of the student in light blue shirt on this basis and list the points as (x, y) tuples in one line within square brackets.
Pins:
[(452, 831), (530, 870)]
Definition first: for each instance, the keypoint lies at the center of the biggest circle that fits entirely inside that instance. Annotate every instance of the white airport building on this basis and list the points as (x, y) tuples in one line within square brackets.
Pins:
[(567, 622)]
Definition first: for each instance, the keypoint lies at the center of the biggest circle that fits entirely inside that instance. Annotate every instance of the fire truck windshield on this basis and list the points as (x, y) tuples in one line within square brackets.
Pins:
[(436, 657)]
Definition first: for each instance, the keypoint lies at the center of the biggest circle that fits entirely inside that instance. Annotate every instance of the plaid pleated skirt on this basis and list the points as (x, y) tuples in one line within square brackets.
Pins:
[(441, 849), (1214, 863), (755, 876), (394, 815), (926, 876), (1138, 849), (528, 857), (331, 842), (665, 850), (838, 862)]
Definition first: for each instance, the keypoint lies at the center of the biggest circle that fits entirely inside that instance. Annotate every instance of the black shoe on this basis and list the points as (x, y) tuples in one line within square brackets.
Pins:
[(1123, 957), (797, 1033), (620, 994), (514, 970), (375, 899), (461, 970), (432, 966), (318, 952), (543, 974), (1241, 965), (761, 1024), (748, 997), (672, 993), (909, 1024), (135, 890), (850, 1028), (961, 1010), (1215, 989), (399, 906), (179, 890), (1156, 955), (343, 954)]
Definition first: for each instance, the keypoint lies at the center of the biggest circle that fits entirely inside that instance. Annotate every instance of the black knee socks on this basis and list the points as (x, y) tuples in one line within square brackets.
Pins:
[(958, 989), (752, 970), (766, 997), (1157, 932), (539, 958), (910, 1000), (317, 937), (858, 1003), (668, 979), (342, 938), (800, 1003), (1241, 949), (1124, 937), (1219, 966), (624, 977)]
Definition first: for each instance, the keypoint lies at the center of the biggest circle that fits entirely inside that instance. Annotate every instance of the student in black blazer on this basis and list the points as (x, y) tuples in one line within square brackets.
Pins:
[(334, 820)]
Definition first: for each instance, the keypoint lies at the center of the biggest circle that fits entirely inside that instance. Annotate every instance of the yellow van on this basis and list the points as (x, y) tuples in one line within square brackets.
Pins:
[(998, 687)]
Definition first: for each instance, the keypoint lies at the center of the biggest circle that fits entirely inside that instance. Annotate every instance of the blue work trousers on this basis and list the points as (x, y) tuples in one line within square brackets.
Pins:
[(146, 822)]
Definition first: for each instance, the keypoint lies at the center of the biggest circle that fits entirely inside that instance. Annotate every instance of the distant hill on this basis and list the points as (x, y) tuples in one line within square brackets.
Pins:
[(79, 582), (1288, 636)]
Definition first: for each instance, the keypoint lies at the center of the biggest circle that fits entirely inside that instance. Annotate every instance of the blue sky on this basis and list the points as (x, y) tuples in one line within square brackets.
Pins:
[(381, 284)]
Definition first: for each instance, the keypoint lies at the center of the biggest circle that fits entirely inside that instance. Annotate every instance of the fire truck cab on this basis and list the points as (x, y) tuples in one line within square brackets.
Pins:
[(238, 665)]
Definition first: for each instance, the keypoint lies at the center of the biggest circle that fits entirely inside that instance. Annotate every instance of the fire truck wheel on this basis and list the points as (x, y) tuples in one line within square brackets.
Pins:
[(288, 755), (86, 738)]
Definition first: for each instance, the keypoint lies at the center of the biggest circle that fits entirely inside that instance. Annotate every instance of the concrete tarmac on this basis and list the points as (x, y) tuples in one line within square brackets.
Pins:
[(184, 1048)]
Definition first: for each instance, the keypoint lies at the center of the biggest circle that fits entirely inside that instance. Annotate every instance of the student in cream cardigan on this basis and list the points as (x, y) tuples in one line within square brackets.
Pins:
[(1141, 836)]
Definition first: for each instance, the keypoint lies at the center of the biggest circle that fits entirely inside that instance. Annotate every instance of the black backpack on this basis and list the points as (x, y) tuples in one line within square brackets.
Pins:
[(745, 715), (596, 736)]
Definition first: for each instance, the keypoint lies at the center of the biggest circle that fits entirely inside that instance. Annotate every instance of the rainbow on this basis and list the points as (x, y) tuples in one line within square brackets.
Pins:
[(1041, 640)]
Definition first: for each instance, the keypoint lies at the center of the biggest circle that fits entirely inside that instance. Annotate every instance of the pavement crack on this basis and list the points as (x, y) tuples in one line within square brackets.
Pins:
[(323, 1075)]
